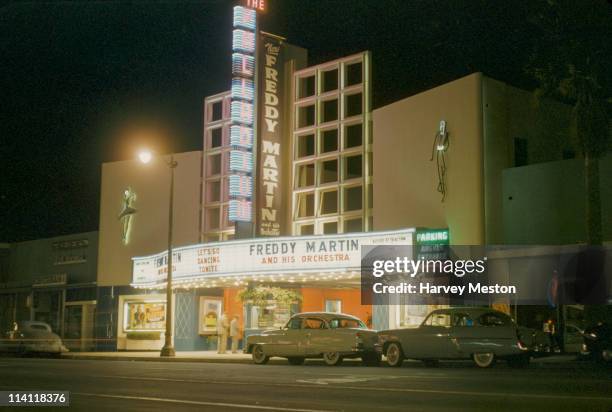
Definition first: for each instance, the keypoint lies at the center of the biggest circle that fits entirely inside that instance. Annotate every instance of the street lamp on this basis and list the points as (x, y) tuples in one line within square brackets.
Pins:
[(168, 349)]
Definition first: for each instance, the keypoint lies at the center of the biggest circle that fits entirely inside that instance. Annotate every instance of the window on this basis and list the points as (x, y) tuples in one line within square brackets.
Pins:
[(306, 116), (144, 316), (214, 164), (330, 111), (306, 86), (214, 191), (213, 216), (346, 323), (314, 323), (305, 145), (216, 137), (353, 136), (353, 74), (294, 323), (216, 111), (305, 205), (333, 305), (462, 319), (329, 228), (306, 230), (494, 319), (329, 140), (329, 202), (352, 167), (353, 105), (438, 319), (352, 198), (330, 81), (328, 171), (305, 175), (353, 225)]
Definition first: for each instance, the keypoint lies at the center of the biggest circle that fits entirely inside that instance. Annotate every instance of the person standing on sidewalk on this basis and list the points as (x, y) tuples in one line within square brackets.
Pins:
[(222, 330), (235, 333)]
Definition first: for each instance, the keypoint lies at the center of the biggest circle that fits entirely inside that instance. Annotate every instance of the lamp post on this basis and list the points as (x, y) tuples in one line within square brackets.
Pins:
[(168, 348)]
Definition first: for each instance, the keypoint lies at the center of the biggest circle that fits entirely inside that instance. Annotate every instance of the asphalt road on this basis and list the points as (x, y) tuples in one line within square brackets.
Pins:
[(98, 385)]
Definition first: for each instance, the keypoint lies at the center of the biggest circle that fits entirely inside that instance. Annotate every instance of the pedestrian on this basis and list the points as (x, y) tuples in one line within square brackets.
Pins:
[(235, 333), (222, 331)]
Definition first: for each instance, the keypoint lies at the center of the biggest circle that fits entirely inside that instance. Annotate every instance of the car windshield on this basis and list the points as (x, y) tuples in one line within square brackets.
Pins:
[(341, 323)]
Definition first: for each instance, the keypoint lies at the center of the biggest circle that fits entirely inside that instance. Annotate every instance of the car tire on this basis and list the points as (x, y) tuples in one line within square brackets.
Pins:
[(332, 358), (259, 356), (484, 359), (431, 363), (296, 360), (520, 361), (394, 354), (371, 359)]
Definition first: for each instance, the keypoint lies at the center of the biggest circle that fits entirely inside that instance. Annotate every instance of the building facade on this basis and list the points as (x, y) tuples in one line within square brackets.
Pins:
[(52, 280)]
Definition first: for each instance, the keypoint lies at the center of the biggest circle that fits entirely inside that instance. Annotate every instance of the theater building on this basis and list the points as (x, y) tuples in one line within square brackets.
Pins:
[(296, 173)]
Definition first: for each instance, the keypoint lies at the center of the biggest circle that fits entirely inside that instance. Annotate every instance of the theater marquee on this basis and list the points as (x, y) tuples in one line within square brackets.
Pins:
[(282, 255)]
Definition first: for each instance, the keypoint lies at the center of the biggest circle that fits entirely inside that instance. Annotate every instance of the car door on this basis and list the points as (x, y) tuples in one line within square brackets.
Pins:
[(318, 337), (434, 337), (287, 341)]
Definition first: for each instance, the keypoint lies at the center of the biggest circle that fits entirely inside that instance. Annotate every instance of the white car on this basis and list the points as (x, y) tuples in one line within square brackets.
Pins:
[(481, 334), (331, 336), (32, 337)]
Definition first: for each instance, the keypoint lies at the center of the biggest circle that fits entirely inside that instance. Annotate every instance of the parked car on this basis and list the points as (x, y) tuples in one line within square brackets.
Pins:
[(481, 334), (331, 336), (598, 342), (32, 337)]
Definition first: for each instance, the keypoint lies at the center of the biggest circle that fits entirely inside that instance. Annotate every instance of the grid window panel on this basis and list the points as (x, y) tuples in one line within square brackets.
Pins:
[(353, 105), (353, 167), (213, 217), (306, 86), (329, 80), (307, 229), (353, 74), (353, 198), (305, 175), (216, 111), (216, 137), (328, 171), (305, 205), (353, 135), (213, 191), (306, 116), (329, 140), (329, 110), (305, 145), (330, 228), (329, 202), (214, 163), (353, 225)]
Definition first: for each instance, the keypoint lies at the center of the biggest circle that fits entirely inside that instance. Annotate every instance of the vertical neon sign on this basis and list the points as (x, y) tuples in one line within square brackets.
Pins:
[(242, 113)]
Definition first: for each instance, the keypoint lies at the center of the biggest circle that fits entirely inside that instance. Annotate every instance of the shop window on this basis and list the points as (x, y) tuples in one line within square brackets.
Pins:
[(354, 136), (305, 175), (328, 171), (329, 111), (306, 230), (329, 140), (214, 191), (216, 137), (330, 81), (214, 164), (333, 305), (353, 225), (306, 116), (144, 316), (305, 205), (306, 86), (305, 145), (329, 202), (353, 105), (330, 228), (272, 315), (352, 198), (352, 167), (353, 74), (213, 217), (216, 109)]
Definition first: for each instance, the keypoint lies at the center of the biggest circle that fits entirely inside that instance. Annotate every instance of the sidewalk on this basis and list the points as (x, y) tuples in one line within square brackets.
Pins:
[(188, 356)]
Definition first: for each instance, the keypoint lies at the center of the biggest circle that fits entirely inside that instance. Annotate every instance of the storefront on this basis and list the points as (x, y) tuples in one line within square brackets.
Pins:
[(260, 281)]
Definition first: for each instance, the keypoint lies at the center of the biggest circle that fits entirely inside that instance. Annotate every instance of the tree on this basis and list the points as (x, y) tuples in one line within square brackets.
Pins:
[(571, 62)]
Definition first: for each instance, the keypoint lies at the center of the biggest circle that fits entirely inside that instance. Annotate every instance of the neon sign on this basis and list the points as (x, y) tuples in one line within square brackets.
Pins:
[(242, 112)]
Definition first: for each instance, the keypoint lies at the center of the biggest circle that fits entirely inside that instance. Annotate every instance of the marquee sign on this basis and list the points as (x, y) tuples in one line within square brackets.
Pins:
[(263, 256), (242, 112)]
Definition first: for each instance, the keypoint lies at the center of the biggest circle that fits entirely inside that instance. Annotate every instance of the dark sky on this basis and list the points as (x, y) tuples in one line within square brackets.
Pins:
[(81, 82)]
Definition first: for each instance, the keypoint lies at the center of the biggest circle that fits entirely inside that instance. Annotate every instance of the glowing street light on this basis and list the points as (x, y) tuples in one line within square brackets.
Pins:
[(146, 156)]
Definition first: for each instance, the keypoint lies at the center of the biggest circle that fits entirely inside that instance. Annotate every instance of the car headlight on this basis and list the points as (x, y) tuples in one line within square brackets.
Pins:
[(591, 335)]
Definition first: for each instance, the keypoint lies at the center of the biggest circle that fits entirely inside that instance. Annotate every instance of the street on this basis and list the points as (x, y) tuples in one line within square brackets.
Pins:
[(99, 385)]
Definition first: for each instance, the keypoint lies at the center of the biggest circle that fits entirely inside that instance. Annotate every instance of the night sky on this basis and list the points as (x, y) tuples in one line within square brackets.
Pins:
[(84, 82)]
